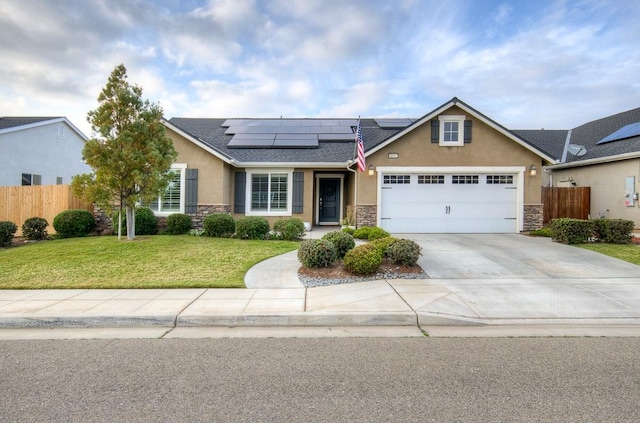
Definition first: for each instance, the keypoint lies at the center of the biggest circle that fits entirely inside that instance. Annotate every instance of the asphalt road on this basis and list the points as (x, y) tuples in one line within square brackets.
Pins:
[(322, 380)]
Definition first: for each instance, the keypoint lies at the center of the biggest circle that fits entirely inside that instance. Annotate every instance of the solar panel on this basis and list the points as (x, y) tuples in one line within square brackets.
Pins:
[(393, 123), (232, 122), (628, 131), (336, 137), (252, 141), (296, 141)]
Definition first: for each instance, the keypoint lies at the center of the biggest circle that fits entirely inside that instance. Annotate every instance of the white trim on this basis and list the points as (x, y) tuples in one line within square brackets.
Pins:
[(183, 178), (44, 123), (247, 199), (599, 160), (451, 118), (518, 171), (317, 196)]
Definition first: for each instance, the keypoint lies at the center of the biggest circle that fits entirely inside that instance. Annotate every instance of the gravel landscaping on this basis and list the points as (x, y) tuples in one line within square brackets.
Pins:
[(336, 275)]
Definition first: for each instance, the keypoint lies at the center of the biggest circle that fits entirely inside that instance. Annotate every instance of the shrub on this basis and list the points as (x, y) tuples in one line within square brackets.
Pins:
[(342, 241), (35, 228), (289, 229), (219, 225), (571, 231), (382, 244), (146, 222), (613, 231), (363, 260), (178, 224), (405, 252), (545, 232), (362, 232), (73, 223), (317, 253), (7, 230), (349, 231), (252, 227)]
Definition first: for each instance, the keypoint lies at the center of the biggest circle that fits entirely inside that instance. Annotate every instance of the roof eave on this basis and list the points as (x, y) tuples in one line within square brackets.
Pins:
[(43, 123), (598, 160), (197, 141)]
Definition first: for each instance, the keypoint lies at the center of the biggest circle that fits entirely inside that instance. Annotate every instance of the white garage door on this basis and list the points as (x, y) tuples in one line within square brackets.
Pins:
[(448, 203)]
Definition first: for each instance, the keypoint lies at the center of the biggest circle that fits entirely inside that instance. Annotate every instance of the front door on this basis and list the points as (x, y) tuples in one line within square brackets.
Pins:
[(329, 201)]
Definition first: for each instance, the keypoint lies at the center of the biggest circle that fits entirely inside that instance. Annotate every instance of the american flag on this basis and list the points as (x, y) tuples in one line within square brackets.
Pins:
[(360, 147)]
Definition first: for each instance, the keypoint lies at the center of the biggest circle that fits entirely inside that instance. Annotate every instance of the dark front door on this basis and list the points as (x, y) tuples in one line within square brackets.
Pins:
[(329, 201)]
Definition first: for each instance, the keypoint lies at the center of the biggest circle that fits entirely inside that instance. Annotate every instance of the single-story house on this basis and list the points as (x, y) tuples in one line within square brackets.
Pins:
[(40, 151), (452, 170), (604, 155)]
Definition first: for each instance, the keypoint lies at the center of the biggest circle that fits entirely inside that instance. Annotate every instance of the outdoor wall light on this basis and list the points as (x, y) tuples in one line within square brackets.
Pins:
[(533, 170), (372, 170)]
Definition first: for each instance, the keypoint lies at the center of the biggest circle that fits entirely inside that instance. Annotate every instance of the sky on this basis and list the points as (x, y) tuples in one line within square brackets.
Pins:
[(526, 64)]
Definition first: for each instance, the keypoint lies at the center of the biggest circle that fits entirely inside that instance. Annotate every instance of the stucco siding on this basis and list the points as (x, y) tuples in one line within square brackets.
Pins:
[(52, 151)]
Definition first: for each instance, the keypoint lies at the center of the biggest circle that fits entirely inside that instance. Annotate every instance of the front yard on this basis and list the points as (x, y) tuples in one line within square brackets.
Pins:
[(148, 262), (626, 252)]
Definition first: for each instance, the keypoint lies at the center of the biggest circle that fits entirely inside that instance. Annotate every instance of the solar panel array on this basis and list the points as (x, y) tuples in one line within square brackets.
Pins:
[(628, 131), (394, 123), (287, 133)]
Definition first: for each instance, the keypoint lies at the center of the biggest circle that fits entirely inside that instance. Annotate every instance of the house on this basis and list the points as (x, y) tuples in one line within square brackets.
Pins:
[(40, 151), (451, 170), (604, 155)]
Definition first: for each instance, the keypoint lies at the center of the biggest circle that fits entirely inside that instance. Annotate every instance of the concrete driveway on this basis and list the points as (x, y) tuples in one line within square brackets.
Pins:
[(505, 277)]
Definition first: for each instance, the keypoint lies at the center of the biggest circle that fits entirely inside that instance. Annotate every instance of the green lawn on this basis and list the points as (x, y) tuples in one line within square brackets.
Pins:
[(147, 262), (626, 252)]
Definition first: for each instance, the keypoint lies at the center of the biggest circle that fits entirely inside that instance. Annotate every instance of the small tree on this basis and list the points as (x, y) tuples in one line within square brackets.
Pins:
[(130, 153)]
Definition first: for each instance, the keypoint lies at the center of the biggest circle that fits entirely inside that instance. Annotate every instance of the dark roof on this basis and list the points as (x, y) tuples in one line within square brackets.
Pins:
[(11, 122), (551, 141), (212, 134), (590, 133)]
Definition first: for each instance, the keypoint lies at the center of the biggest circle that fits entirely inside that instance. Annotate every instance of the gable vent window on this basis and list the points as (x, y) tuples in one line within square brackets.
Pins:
[(464, 179), (500, 179), (431, 179), (396, 179)]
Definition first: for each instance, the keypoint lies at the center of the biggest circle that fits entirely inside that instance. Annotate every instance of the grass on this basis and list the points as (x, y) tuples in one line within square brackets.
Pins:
[(147, 262), (626, 252)]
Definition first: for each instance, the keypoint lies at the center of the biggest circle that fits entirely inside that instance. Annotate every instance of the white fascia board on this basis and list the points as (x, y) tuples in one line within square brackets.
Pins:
[(452, 169), (470, 111), (310, 165), (197, 142), (600, 160)]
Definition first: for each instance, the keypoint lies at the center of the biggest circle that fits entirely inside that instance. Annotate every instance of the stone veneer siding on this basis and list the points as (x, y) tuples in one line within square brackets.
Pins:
[(204, 210), (366, 215), (533, 217)]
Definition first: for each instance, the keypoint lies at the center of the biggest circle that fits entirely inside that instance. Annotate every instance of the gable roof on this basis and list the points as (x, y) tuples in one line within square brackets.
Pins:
[(591, 133), (214, 135), (19, 123)]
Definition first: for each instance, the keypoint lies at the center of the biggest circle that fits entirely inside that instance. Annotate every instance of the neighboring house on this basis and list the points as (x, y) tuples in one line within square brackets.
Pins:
[(605, 155), (40, 151), (452, 170)]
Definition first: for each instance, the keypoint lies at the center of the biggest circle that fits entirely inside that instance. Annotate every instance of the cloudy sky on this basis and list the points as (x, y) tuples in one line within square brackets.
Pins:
[(526, 64)]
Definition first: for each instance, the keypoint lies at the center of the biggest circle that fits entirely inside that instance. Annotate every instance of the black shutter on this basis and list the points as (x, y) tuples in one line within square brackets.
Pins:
[(435, 131), (191, 191), (240, 191), (467, 131), (298, 192)]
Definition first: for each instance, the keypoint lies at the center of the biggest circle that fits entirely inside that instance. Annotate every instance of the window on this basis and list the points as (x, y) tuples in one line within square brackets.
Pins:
[(396, 179), (29, 179), (269, 193), (499, 179), (451, 130), (171, 200), (464, 179), (431, 179), (58, 180)]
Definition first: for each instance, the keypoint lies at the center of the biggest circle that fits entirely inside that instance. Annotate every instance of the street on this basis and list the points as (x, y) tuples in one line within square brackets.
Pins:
[(321, 380)]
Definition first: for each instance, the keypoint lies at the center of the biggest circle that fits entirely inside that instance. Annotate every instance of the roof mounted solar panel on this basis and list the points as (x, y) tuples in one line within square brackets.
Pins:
[(252, 141), (337, 137), (232, 122), (393, 123), (296, 141), (628, 131)]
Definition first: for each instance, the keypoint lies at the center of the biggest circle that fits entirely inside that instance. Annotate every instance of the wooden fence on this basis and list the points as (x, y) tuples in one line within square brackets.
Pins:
[(572, 202), (17, 204)]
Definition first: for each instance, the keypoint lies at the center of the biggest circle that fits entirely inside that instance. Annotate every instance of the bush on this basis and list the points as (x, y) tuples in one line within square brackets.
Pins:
[(178, 224), (382, 244), (146, 222), (342, 241), (317, 253), (219, 225), (252, 227), (349, 231), (405, 252), (7, 230), (73, 223), (545, 232), (363, 260), (370, 233), (613, 231), (289, 229), (572, 231), (35, 228)]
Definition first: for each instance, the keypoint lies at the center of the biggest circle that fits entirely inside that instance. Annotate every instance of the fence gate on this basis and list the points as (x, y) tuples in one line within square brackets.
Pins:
[(574, 202)]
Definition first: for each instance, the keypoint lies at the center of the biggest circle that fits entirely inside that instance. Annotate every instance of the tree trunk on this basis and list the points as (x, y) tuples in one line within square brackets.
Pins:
[(120, 224), (131, 223)]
